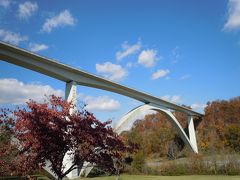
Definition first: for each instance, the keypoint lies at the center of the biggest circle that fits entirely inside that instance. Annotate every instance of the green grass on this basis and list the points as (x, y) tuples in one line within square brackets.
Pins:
[(37, 177), (144, 177)]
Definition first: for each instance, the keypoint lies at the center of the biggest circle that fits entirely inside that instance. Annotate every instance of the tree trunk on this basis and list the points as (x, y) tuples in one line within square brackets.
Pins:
[(117, 175)]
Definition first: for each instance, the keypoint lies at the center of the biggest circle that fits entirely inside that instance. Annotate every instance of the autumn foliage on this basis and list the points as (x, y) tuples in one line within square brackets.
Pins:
[(220, 128), (156, 136), (47, 132)]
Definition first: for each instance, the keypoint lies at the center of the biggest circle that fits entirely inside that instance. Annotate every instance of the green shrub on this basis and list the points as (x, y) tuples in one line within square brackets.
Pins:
[(174, 169), (232, 135), (139, 161), (95, 172)]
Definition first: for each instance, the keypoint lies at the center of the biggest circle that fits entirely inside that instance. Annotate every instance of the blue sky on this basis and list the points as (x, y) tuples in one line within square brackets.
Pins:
[(187, 52)]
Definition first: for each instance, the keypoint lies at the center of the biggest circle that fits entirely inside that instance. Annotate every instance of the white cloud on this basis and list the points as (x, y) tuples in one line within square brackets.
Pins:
[(174, 98), (175, 55), (198, 106), (27, 9), (148, 58), (13, 91), (168, 78), (5, 3), (128, 50), (160, 73), (111, 71), (11, 37), (64, 18), (233, 21), (185, 76), (129, 65), (101, 103), (37, 47)]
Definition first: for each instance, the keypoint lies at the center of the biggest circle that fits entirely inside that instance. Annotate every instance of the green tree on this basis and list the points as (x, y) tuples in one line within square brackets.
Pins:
[(139, 161), (232, 135)]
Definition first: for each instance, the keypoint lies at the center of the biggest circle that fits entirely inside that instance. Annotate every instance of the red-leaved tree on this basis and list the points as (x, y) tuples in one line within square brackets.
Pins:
[(46, 132)]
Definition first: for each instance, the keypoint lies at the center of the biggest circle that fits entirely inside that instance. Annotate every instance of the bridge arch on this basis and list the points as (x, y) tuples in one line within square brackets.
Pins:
[(190, 140)]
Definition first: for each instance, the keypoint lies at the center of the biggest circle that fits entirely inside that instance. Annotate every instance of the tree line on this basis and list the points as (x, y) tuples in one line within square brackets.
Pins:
[(155, 137)]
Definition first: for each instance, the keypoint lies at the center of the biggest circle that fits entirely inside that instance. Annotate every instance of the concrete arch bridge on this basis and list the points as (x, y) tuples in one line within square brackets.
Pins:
[(73, 77)]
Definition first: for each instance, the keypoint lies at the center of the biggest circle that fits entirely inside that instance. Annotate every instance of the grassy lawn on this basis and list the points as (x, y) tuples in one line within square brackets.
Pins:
[(144, 177)]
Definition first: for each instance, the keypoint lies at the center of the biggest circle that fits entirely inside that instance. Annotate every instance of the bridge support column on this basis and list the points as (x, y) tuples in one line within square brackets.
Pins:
[(191, 132), (71, 96)]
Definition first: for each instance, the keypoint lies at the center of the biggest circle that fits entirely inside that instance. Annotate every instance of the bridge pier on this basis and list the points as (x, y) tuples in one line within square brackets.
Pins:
[(71, 96), (191, 133)]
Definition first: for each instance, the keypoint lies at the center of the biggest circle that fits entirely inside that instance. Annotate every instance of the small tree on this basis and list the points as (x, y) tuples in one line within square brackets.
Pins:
[(48, 132), (6, 148), (232, 135), (9, 151)]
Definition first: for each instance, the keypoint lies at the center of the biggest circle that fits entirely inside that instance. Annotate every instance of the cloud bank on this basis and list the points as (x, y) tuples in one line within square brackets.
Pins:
[(15, 92)]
